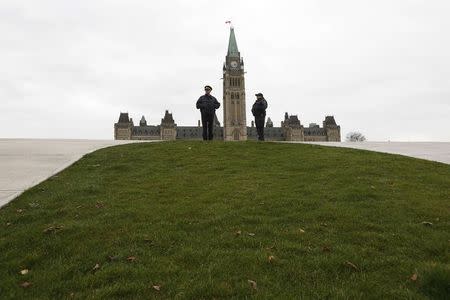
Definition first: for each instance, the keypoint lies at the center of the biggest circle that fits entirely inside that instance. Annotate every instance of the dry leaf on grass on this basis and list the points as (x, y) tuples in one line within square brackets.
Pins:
[(24, 271), (95, 268), (427, 223), (238, 233), (326, 249), (251, 234), (351, 265), (25, 284), (52, 229), (413, 277), (271, 259), (156, 287), (252, 284), (301, 230), (113, 257), (131, 258)]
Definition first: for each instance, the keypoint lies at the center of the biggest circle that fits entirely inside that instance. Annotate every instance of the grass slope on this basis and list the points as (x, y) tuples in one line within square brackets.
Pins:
[(198, 220)]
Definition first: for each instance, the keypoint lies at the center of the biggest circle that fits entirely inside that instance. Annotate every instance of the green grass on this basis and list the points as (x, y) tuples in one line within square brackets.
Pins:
[(178, 208)]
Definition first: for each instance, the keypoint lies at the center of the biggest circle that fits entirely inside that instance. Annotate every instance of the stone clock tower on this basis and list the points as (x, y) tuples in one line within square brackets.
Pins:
[(234, 117)]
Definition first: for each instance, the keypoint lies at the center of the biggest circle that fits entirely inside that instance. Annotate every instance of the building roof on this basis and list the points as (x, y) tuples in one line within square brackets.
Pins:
[(232, 45), (329, 120), (124, 118), (146, 130), (314, 131)]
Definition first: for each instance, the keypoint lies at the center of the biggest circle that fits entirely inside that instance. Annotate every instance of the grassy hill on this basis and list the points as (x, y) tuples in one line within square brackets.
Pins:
[(231, 220)]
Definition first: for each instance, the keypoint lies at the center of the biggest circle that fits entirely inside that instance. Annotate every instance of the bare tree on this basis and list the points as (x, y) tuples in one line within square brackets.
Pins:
[(355, 137)]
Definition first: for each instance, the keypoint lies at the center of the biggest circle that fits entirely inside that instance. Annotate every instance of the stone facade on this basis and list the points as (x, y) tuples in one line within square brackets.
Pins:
[(234, 113), (234, 116), (291, 130)]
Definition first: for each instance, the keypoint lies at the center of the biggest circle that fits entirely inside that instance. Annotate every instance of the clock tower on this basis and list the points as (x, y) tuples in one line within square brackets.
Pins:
[(234, 115)]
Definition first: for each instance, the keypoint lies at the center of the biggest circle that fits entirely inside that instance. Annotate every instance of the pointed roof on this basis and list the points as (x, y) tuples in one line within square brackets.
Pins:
[(124, 118), (232, 45)]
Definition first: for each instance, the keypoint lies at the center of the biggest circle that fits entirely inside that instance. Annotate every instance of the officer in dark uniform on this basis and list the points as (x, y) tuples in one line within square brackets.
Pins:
[(259, 112), (207, 105)]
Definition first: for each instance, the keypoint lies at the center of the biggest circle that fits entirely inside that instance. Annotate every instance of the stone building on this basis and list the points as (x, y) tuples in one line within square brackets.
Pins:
[(234, 116), (234, 113)]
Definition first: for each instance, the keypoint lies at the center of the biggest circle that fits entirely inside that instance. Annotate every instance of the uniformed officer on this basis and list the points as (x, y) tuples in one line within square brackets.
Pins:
[(207, 105), (259, 112)]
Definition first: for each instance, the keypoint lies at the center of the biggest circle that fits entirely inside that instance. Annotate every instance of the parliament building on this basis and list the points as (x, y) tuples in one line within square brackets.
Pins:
[(234, 116)]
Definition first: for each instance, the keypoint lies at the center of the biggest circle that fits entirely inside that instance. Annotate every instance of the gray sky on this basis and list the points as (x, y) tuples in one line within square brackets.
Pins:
[(68, 68)]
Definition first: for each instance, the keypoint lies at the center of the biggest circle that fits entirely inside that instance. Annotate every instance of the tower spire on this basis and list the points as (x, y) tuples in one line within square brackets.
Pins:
[(232, 45)]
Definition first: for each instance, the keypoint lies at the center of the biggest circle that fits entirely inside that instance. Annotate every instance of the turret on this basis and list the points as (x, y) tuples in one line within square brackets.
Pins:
[(333, 131), (143, 122), (123, 127), (168, 127)]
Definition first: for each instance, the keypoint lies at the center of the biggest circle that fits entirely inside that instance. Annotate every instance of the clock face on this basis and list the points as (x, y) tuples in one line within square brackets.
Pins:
[(234, 64)]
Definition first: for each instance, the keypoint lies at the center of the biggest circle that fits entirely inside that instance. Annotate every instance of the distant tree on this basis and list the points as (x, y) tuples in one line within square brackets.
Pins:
[(355, 137)]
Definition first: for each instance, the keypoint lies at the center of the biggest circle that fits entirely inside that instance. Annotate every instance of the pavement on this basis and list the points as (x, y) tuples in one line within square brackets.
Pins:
[(435, 151), (27, 162)]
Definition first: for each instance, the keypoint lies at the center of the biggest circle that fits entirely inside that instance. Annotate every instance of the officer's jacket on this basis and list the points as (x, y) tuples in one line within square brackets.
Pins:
[(259, 108), (207, 104)]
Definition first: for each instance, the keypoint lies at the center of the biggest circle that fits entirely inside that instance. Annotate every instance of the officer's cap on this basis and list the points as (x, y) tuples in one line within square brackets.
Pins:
[(259, 94), (208, 87)]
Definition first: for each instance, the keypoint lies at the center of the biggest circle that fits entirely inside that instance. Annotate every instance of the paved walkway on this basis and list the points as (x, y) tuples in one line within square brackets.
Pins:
[(436, 151), (27, 162)]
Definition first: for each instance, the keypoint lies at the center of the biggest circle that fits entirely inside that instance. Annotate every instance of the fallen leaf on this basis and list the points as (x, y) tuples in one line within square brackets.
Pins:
[(301, 230), (251, 234), (113, 257), (252, 284), (157, 287), (270, 248), (414, 277), (131, 258), (99, 205), (326, 249), (271, 259), (238, 232), (8, 224), (19, 210), (52, 229), (24, 271), (352, 265), (25, 284), (372, 187), (427, 223), (96, 267)]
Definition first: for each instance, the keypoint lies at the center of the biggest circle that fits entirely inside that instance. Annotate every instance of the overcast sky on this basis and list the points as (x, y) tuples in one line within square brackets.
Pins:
[(68, 68)]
